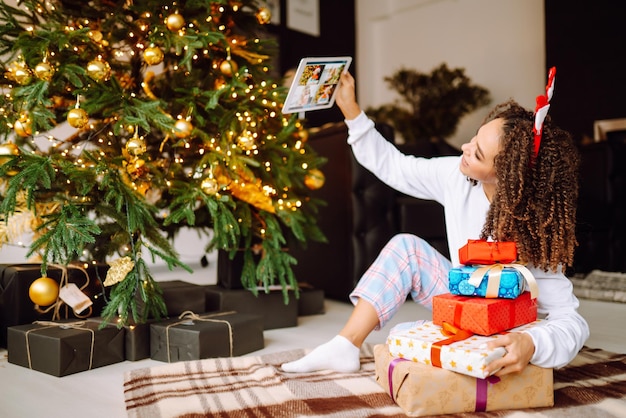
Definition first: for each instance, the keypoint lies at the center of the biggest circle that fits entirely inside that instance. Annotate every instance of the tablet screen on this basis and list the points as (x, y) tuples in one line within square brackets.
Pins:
[(315, 83)]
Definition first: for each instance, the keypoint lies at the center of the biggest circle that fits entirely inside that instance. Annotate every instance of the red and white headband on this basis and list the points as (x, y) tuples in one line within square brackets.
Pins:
[(541, 110)]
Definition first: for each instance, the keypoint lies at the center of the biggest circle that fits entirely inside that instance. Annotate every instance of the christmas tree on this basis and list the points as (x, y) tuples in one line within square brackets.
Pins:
[(170, 117)]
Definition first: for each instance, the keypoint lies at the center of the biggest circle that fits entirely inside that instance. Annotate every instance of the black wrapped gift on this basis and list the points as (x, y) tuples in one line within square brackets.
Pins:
[(136, 338), (229, 271), (16, 308), (210, 335), (311, 301), (137, 342), (271, 306), (61, 348), (180, 296)]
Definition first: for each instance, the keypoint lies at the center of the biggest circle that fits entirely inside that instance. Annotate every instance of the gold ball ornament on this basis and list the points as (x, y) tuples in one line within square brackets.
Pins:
[(209, 186), (228, 67), (8, 151), (22, 75), (99, 70), (264, 15), (314, 179), (44, 71), (182, 128), (77, 118), (95, 35), (22, 126), (136, 146), (246, 142), (44, 291), (175, 21), (153, 55)]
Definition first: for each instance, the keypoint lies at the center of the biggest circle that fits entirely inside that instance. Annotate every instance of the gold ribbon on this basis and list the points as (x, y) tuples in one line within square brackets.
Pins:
[(494, 273), (49, 324), (189, 315)]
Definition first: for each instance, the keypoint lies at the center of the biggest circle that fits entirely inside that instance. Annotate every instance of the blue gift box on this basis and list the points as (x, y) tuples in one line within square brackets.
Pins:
[(511, 282)]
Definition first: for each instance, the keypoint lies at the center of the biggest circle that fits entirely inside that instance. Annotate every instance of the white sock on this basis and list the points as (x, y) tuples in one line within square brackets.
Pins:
[(338, 354)]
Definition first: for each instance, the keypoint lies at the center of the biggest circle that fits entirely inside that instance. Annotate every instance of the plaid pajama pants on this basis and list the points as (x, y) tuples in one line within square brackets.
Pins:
[(406, 265)]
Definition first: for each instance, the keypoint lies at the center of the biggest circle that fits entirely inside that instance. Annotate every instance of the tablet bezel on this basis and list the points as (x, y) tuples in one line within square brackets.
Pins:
[(305, 82)]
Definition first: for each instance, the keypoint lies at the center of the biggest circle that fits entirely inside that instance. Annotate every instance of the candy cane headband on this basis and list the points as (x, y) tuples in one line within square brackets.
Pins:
[(543, 104)]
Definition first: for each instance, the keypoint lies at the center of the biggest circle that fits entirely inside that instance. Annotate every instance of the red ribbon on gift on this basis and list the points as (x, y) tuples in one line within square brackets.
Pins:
[(479, 251), (456, 334), (482, 386), (458, 311)]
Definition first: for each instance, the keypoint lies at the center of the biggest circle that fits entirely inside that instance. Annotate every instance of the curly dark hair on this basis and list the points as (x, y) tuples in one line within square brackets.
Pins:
[(535, 201)]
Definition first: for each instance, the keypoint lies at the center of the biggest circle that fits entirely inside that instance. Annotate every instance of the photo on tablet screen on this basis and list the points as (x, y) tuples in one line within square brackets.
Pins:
[(315, 83)]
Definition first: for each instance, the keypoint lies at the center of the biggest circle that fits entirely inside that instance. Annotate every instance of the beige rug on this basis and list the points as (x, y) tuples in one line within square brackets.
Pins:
[(593, 385)]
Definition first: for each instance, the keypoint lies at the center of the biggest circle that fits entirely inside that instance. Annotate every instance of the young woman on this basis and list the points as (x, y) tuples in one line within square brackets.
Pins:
[(515, 181)]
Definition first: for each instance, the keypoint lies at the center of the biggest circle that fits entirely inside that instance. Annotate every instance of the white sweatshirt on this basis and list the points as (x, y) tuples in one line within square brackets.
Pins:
[(558, 339)]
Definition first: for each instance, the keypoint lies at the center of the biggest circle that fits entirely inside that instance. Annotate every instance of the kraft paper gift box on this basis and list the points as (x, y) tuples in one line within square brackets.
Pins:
[(16, 307), (209, 335), (484, 316), (422, 390), (62, 348), (271, 306), (478, 251), (491, 281), (446, 347)]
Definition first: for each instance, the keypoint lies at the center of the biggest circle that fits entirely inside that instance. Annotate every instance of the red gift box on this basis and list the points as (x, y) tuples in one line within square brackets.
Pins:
[(484, 316), (478, 251)]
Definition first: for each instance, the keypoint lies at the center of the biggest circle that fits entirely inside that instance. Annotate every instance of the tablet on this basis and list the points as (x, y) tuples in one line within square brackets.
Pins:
[(315, 83)]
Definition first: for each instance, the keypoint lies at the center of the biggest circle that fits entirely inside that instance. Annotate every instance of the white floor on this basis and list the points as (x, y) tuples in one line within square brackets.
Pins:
[(98, 393)]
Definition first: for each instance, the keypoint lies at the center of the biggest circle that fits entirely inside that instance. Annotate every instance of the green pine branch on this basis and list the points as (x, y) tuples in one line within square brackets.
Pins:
[(62, 236), (221, 211), (34, 173), (138, 296)]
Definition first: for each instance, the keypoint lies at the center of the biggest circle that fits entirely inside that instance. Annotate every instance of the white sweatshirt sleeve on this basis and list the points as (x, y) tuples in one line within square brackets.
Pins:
[(561, 336), (425, 178)]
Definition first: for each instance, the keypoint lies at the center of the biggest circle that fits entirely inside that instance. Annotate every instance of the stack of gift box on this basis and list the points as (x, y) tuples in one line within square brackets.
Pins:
[(439, 366), (202, 321)]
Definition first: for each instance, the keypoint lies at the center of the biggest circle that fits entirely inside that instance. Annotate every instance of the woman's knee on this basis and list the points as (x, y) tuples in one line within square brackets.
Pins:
[(407, 240)]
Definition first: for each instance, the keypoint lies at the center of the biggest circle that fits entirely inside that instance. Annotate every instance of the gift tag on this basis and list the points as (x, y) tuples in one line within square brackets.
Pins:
[(72, 295)]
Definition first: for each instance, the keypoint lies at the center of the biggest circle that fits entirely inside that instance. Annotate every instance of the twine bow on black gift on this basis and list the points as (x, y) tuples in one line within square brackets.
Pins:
[(64, 325), (188, 316), (59, 303)]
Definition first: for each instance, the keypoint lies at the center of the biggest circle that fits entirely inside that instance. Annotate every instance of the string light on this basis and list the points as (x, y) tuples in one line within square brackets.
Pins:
[(259, 128)]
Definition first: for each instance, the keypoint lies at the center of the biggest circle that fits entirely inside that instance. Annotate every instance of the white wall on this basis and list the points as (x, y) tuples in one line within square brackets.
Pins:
[(500, 43)]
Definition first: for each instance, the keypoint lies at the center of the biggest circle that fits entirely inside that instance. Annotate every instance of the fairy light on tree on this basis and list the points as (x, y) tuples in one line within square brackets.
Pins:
[(172, 121)]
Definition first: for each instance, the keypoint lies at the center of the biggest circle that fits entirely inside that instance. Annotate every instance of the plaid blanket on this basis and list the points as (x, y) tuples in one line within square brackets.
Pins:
[(593, 385)]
